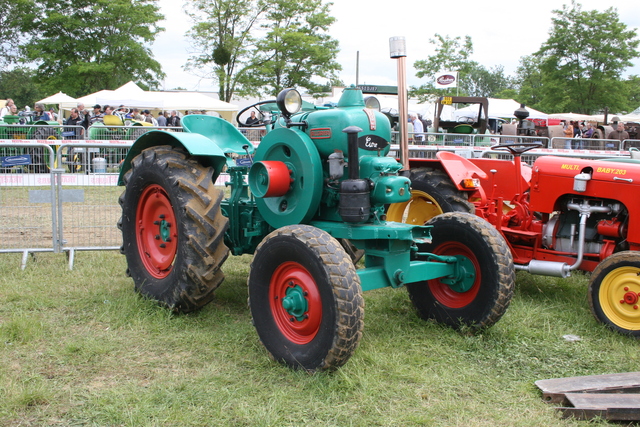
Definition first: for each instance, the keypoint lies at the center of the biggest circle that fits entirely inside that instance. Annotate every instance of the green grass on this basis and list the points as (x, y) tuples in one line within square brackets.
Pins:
[(81, 348)]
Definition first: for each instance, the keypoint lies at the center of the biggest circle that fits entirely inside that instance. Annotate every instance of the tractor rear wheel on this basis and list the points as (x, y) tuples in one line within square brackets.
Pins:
[(477, 303), (173, 228), (305, 298), (432, 193), (614, 292)]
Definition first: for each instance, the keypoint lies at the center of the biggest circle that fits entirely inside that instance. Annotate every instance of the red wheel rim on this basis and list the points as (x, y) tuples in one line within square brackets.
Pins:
[(156, 231), (297, 329), (442, 292)]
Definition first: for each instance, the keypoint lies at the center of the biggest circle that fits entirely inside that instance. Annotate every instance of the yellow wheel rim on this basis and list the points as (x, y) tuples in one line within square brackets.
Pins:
[(620, 299), (418, 210)]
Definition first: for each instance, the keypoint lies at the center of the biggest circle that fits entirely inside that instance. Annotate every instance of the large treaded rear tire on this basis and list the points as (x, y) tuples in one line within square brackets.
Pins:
[(432, 193), (176, 264), (323, 330), (482, 305)]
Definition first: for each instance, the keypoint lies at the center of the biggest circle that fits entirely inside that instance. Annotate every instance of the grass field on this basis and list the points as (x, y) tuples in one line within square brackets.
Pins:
[(81, 348)]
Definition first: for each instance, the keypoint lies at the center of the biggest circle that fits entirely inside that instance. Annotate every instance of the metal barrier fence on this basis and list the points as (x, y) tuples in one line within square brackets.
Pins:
[(62, 201), (98, 131)]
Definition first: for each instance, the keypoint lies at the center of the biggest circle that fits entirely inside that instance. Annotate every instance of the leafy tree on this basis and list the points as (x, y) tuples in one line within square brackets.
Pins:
[(258, 47), (14, 14), (223, 42), (583, 59), (529, 82), (81, 46), (20, 85), (296, 51), (480, 81), (452, 55)]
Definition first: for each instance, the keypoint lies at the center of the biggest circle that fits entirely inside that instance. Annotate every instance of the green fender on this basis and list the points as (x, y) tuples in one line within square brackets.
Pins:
[(208, 153)]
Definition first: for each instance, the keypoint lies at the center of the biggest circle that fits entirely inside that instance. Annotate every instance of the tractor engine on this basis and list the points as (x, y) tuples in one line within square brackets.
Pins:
[(575, 194), (326, 164), (561, 231)]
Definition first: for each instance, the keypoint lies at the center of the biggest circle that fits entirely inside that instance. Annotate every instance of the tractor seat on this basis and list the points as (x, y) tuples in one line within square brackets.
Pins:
[(463, 128), (111, 120), (222, 133)]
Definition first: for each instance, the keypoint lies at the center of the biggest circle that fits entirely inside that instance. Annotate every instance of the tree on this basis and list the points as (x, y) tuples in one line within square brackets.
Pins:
[(14, 14), (529, 82), (296, 51), (479, 81), (222, 41), (451, 55), (583, 59), (81, 46), (20, 85), (258, 47)]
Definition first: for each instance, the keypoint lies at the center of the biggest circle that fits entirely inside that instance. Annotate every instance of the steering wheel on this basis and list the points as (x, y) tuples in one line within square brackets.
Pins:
[(517, 147), (259, 114)]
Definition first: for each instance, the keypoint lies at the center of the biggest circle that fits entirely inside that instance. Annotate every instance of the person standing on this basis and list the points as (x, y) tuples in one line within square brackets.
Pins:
[(6, 110), (418, 129), (618, 133), (162, 120), (76, 121), (174, 120)]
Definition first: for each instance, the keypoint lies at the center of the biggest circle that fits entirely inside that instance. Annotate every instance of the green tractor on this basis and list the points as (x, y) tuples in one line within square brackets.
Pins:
[(25, 126), (117, 127), (308, 202)]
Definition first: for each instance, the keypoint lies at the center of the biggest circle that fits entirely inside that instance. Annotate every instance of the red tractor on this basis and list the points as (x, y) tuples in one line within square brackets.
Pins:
[(560, 215)]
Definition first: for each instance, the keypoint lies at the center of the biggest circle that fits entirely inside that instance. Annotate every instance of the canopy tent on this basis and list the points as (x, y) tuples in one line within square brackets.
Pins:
[(62, 100), (131, 95), (573, 117), (498, 108)]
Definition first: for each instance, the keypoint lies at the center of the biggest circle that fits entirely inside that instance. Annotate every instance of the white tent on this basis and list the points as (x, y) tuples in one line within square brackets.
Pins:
[(131, 95), (502, 108), (62, 100), (573, 117)]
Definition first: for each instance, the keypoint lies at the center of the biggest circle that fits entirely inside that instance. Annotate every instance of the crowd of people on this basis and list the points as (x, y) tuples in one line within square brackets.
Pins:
[(80, 116)]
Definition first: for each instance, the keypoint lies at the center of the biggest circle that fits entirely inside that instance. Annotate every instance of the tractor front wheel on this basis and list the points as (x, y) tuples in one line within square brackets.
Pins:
[(305, 298), (173, 228), (614, 292), (478, 302)]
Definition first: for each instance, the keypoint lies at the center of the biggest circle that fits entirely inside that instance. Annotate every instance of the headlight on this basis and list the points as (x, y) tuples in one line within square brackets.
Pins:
[(372, 103), (289, 102)]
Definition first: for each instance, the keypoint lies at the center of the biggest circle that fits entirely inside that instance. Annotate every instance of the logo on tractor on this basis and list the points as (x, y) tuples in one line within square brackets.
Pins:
[(446, 79), (320, 133), (372, 142)]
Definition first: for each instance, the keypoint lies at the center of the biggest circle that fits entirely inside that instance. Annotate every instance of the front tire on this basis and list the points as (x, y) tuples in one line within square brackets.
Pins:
[(305, 298), (432, 193), (614, 292), (479, 303), (173, 228)]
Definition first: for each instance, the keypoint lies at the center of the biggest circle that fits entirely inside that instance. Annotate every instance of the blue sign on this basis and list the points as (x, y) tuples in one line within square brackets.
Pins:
[(23, 159), (245, 161)]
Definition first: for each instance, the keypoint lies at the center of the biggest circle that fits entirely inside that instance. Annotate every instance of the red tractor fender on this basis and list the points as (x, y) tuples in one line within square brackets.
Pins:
[(458, 168)]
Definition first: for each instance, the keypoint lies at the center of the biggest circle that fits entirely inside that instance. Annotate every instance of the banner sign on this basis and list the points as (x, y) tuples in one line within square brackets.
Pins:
[(446, 79), (8, 161)]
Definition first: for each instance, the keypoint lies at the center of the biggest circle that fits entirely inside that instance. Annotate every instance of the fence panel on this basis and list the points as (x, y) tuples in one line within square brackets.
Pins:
[(88, 209), (27, 199), (100, 131)]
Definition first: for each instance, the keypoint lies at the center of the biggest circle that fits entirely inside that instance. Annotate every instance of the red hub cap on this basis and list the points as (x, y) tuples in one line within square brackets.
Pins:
[(443, 292), (156, 231), (295, 302)]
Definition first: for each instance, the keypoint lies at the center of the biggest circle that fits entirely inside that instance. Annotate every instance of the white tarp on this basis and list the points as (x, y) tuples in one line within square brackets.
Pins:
[(502, 108)]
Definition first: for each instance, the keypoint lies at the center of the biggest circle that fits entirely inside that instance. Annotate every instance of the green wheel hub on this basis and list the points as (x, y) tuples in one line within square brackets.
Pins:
[(295, 302), (465, 275)]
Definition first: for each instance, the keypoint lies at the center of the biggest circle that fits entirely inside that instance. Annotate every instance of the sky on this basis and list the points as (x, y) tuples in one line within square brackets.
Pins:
[(501, 32)]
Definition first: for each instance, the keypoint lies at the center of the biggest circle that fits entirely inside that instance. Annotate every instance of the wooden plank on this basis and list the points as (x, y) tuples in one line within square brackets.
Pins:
[(553, 390), (604, 400)]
